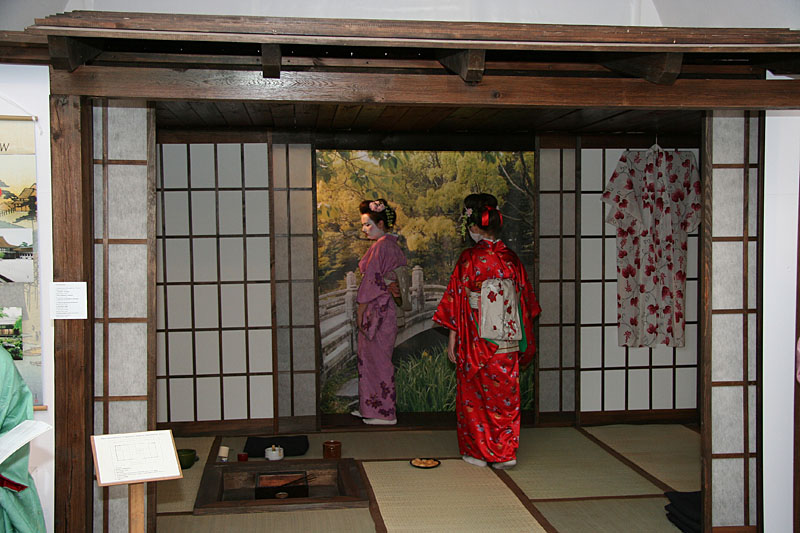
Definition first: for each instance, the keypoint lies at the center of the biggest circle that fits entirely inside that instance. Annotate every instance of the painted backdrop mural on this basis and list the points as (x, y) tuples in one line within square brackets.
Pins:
[(427, 190), (19, 289)]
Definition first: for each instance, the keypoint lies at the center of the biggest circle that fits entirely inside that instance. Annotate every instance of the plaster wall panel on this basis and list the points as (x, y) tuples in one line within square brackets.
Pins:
[(127, 359), (127, 280), (727, 492), (727, 423), (127, 130)]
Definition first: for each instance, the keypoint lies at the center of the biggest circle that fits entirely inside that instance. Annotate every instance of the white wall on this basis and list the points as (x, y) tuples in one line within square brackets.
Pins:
[(24, 90), (782, 168)]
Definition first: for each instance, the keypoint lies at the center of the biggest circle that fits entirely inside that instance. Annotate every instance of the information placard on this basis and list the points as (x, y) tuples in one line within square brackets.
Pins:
[(68, 300), (135, 457)]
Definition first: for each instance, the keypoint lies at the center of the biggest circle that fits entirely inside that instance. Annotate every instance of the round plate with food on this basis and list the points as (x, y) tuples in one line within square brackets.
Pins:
[(425, 462)]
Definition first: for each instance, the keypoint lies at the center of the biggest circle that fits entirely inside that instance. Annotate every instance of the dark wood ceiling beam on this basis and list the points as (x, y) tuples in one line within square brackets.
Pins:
[(23, 48), (68, 54), (662, 69), (410, 89), (468, 64), (271, 60)]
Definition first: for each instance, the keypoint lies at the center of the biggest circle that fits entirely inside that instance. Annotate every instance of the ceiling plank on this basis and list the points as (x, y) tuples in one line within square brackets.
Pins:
[(409, 89), (468, 64), (271, 60), (662, 69), (68, 54)]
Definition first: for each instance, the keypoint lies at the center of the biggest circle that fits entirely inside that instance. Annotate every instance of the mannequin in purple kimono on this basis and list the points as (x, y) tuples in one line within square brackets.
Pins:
[(376, 315)]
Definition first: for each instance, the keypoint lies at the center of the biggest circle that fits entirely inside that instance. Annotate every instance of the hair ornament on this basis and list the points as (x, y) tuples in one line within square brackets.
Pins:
[(485, 215), (465, 223), (377, 206)]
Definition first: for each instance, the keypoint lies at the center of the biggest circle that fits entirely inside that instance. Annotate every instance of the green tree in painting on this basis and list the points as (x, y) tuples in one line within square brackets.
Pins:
[(427, 189)]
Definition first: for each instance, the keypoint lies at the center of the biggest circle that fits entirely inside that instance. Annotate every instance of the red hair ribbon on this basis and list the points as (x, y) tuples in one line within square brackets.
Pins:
[(485, 216)]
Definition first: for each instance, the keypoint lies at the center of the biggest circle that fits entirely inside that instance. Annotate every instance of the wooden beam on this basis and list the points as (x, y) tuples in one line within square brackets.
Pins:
[(271, 60), (415, 89), (68, 54), (662, 69), (71, 138), (469, 64)]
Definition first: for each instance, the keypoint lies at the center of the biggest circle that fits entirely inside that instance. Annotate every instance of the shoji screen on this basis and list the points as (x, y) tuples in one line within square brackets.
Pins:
[(731, 339), (124, 142), (556, 290), (615, 381), (215, 322), (295, 295)]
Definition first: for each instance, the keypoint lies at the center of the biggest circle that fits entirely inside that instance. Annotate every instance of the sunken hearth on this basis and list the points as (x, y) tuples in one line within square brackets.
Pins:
[(253, 486)]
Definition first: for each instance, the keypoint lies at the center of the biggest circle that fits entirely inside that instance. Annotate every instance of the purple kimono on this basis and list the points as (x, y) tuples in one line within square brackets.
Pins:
[(378, 329)]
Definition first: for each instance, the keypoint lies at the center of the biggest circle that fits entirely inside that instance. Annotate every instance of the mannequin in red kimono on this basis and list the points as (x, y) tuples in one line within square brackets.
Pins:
[(487, 390)]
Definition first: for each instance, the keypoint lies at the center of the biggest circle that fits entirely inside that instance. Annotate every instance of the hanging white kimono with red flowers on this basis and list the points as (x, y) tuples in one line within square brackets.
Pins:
[(654, 198)]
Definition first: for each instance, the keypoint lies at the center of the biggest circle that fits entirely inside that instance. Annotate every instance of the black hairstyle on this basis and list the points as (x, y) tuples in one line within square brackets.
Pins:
[(483, 213), (373, 209)]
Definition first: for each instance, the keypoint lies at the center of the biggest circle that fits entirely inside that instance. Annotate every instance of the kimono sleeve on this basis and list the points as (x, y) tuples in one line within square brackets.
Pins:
[(372, 283), (620, 194), (693, 193), (447, 312)]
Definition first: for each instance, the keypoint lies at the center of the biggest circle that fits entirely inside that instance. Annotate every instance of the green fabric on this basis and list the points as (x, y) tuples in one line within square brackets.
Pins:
[(19, 511)]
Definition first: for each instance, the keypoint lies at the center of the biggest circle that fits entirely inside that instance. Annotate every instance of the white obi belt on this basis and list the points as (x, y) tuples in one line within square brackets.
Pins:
[(498, 309)]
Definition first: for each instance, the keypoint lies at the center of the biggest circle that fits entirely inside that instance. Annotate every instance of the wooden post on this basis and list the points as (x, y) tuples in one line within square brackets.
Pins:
[(136, 508)]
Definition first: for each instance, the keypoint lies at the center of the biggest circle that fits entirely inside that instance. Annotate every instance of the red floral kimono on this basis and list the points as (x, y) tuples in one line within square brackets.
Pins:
[(487, 391)]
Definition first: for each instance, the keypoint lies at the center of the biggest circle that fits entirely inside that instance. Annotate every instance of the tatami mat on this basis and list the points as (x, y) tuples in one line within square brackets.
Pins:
[(178, 495), (671, 452), (327, 521), (455, 496), (642, 515), (563, 463)]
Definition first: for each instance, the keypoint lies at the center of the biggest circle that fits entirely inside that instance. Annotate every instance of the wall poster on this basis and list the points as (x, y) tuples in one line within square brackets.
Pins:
[(427, 189), (20, 327)]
